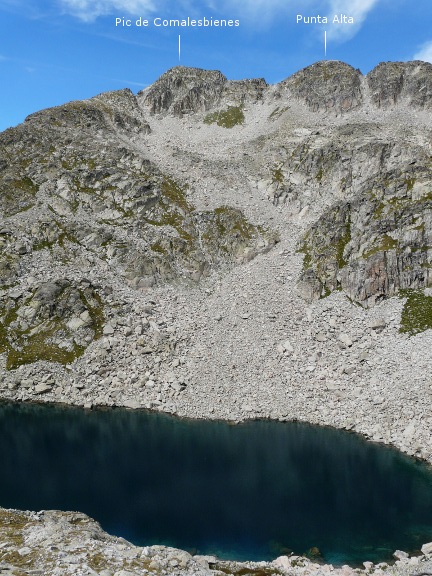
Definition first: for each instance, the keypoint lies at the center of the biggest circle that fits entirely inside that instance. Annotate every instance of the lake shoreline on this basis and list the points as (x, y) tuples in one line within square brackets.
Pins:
[(55, 542), (291, 564)]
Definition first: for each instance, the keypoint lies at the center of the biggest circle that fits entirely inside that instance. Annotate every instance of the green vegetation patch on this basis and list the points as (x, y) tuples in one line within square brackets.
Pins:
[(12, 527), (235, 570), (234, 222), (56, 323), (17, 195), (307, 259), (226, 231), (278, 175), (172, 209), (410, 183), (25, 184), (8, 269), (319, 247), (175, 194), (324, 247), (342, 242), (387, 243), (228, 118), (157, 247), (417, 312)]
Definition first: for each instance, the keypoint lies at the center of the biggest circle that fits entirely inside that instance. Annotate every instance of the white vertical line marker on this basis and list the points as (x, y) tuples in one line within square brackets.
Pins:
[(325, 43), (179, 48)]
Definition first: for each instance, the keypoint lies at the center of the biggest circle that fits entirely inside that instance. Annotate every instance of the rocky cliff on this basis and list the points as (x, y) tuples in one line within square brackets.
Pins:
[(392, 83), (75, 185), (184, 90), (227, 249), (107, 202)]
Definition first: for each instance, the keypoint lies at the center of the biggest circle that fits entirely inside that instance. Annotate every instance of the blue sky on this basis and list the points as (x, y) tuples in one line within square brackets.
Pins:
[(54, 51)]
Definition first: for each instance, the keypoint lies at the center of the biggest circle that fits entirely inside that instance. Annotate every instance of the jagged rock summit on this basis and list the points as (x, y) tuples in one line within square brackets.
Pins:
[(325, 86), (94, 183), (182, 90), (391, 82), (227, 249)]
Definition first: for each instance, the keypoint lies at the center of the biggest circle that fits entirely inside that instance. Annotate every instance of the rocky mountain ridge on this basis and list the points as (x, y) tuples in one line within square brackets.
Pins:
[(227, 249), (327, 86), (129, 200)]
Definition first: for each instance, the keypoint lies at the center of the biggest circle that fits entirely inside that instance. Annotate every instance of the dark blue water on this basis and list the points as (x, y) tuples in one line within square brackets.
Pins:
[(252, 491)]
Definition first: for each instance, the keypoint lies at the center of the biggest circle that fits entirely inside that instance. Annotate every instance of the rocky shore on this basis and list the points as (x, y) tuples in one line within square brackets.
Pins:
[(226, 250), (56, 543)]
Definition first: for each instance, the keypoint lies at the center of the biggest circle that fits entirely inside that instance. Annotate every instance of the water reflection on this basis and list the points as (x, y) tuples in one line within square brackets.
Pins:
[(247, 492)]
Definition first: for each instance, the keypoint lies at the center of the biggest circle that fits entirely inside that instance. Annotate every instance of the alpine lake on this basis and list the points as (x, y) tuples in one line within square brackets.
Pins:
[(251, 491)]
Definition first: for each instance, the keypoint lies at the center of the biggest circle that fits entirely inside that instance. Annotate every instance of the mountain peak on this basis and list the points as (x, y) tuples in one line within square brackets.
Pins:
[(328, 85), (182, 89), (390, 82)]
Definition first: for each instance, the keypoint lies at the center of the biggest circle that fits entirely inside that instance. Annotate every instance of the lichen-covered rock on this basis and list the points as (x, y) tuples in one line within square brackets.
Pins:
[(181, 90), (328, 86), (56, 321), (376, 245), (392, 83)]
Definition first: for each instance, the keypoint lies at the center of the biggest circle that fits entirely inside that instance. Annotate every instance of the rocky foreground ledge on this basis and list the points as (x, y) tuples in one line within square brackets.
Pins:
[(221, 249), (53, 543)]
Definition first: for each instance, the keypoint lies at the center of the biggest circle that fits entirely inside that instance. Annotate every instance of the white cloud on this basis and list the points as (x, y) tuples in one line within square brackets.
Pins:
[(89, 10), (258, 10), (425, 52), (262, 12), (358, 9)]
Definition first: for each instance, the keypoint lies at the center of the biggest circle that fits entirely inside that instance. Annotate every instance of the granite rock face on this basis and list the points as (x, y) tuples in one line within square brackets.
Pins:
[(183, 90), (379, 242), (241, 92), (328, 86), (392, 82), (138, 269), (74, 186), (81, 188), (55, 321)]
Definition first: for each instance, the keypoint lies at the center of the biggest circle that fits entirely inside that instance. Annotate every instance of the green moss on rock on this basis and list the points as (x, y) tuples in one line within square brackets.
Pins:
[(17, 195), (417, 312), (307, 259), (386, 243), (342, 242), (278, 176), (228, 118), (41, 327)]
